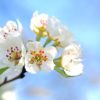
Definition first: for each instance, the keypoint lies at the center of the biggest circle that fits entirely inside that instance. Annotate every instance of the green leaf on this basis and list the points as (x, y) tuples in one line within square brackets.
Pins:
[(61, 71), (2, 70)]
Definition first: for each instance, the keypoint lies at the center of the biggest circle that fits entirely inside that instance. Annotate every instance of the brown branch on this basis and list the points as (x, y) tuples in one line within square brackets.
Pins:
[(21, 75)]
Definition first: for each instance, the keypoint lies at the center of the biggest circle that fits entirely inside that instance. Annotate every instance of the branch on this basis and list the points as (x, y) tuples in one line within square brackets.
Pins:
[(21, 75)]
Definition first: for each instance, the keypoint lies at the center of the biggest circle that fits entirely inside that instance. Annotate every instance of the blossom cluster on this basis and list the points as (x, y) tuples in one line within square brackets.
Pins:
[(59, 52)]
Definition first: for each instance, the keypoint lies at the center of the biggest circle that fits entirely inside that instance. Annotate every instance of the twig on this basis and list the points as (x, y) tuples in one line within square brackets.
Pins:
[(21, 75)]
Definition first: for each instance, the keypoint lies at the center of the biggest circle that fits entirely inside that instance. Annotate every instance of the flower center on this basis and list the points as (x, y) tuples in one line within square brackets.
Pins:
[(38, 57), (14, 55)]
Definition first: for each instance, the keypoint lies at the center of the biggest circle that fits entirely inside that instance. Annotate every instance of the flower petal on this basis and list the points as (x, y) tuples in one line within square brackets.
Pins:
[(51, 23), (12, 26), (74, 68), (73, 51), (34, 46), (22, 60), (51, 50), (32, 68), (65, 60), (20, 27), (47, 66)]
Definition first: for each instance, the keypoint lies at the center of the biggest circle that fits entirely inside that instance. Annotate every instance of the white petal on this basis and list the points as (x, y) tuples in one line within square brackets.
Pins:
[(74, 68), (65, 61), (22, 60), (34, 28), (51, 23), (47, 66), (73, 51), (65, 37), (20, 27), (34, 46), (51, 50), (11, 25), (5, 29), (32, 68)]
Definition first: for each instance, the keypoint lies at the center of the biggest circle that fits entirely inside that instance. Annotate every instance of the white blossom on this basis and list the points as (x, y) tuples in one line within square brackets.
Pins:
[(38, 23), (39, 58), (12, 52), (71, 60), (58, 32)]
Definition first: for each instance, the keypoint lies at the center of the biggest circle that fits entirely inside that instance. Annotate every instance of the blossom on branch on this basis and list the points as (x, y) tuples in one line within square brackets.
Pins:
[(58, 32), (39, 58), (39, 23), (71, 60), (12, 50)]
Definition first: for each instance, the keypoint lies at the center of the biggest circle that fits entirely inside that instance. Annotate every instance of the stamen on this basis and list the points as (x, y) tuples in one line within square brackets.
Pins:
[(7, 50), (6, 55), (9, 53), (38, 57), (13, 55), (4, 36)]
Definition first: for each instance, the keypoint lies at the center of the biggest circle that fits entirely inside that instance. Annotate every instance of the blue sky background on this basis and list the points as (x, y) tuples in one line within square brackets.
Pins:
[(83, 19)]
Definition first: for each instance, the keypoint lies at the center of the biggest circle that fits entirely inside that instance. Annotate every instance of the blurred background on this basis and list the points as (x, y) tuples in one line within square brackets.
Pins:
[(83, 19)]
